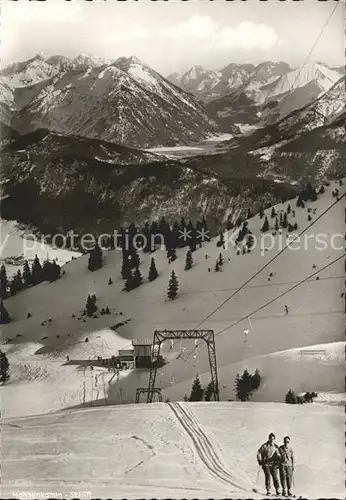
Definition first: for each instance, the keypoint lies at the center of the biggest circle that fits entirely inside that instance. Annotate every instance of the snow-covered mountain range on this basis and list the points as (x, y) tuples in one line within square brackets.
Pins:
[(307, 143), (117, 181), (209, 84), (248, 94), (125, 102)]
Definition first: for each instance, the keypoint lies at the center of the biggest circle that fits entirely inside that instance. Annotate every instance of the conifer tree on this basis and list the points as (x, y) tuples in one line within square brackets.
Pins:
[(188, 260), (174, 236), (13, 286), (19, 281), (281, 219), (173, 286), (110, 281), (243, 386), (4, 367), (36, 271), (249, 214), (153, 274), (284, 221), (192, 237), (165, 230), (221, 241), (50, 271), (95, 258), (91, 306), (134, 259), (220, 259), (209, 391), (129, 281), (137, 278), (261, 212), (3, 282), (242, 232), (246, 384), (217, 266), (291, 397), (125, 267), (273, 213), (310, 192), (146, 233), (197, 391), (300, 202), (154, 233), (27, 274), (289, 209), (265, 226), (277, 227), (183, 240), (56, 271), (256, 379), (237, 384), (4, 316)]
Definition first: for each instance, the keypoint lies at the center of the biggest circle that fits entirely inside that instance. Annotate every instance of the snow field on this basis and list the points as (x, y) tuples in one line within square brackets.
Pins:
[(147, 450), (316, 316)]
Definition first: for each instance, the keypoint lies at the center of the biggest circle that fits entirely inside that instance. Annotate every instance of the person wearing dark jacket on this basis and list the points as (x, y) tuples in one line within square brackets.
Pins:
[(268, 457), (286, 466)]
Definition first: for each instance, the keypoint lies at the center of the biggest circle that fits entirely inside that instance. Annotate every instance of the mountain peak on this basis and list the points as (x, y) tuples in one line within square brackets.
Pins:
[(128, 61)]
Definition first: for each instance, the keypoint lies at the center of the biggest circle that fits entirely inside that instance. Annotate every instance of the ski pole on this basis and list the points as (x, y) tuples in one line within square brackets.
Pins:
[(258, 473)]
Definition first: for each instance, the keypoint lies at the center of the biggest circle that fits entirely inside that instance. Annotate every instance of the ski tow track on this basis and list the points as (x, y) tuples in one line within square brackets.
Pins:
[(207, 448)]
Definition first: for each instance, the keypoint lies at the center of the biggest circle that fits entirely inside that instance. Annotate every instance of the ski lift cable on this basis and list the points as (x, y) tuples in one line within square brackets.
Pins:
[(270, 261), (310, 52), (284, 293), (276, 298)]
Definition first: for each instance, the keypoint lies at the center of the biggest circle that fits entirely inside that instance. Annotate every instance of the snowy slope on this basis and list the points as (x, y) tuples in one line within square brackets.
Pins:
[(316, 312), (321, 74), (32, 71), (17, 246), (197, 450)]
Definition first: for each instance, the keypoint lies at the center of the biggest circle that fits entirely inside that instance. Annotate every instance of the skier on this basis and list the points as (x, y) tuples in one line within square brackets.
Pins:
[(286, 310), (268, 457), (286, 466)]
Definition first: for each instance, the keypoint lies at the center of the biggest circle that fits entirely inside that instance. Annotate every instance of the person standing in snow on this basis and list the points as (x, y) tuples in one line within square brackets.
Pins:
[(268, 457), (286, 466)]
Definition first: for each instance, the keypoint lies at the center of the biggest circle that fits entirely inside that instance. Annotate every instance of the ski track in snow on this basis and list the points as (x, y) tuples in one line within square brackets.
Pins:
[(205, 446)]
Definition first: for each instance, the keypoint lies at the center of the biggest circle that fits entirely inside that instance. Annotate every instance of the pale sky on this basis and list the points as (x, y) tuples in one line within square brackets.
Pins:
[(174, 35)]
